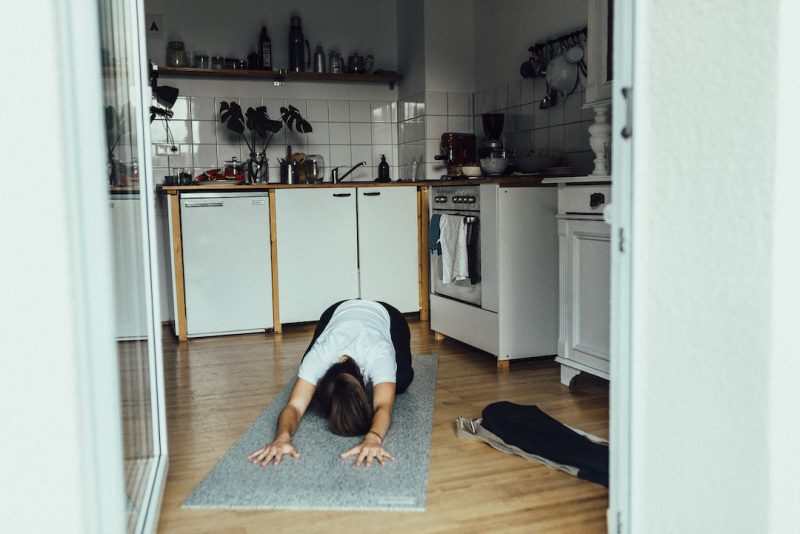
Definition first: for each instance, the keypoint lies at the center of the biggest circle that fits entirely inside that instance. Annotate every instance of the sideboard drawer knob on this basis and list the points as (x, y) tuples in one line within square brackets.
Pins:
[(596, 199)]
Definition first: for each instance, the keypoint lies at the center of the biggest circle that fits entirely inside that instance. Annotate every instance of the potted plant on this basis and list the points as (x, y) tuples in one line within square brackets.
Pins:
[(258, 122)]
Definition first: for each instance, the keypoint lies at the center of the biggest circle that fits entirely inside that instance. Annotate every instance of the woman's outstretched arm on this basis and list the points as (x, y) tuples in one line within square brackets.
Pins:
[(371, 448), (290, 416)]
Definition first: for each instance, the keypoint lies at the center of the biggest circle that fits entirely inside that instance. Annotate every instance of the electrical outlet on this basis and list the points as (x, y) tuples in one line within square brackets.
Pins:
[(165, 149)]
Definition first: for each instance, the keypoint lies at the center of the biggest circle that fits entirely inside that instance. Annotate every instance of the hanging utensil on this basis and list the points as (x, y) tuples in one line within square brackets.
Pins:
[(550, 97), (562, 76), (527, 69)]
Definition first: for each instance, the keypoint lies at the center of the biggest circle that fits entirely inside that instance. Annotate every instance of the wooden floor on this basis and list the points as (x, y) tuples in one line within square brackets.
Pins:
[(216, 387)]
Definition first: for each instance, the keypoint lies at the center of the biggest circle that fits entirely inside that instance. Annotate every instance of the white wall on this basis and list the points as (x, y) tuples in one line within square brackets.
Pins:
[(411, 46), (784, 425), (704, 304), (231, 29), (449, 46), (505, 29), (61, 455)]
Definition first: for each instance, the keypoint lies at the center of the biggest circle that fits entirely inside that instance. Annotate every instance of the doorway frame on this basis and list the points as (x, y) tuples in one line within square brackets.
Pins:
[(620, 216)]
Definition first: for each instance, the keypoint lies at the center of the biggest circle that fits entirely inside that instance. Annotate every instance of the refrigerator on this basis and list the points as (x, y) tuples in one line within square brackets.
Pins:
[(227, 262)]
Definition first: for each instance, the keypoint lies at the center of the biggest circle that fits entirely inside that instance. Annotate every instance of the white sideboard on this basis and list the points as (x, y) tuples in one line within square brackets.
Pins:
[(584, 277)]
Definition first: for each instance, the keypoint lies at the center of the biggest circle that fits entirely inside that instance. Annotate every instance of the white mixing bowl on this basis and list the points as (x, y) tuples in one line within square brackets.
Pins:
[(494, 166)]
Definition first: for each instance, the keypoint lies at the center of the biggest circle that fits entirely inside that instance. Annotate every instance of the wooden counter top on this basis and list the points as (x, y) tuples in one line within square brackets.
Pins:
[(504, 181)]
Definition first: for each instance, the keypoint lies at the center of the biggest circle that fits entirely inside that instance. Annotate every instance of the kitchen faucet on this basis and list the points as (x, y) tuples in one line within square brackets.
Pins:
[(335, 172)]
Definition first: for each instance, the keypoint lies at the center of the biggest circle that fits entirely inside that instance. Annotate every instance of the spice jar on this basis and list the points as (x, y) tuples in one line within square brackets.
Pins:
[(176, 57)]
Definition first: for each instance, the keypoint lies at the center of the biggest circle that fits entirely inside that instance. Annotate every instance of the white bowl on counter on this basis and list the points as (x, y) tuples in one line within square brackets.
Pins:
[(471, 171), (494, 166)]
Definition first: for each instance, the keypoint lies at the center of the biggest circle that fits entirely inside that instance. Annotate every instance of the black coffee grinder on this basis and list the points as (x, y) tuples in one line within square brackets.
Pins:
[(492, 128)]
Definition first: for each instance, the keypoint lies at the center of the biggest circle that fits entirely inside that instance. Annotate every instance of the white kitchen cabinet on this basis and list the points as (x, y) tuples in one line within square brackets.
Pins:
[(227, 262), (584, 281), (317, 250), (388, 246), (341, 243)]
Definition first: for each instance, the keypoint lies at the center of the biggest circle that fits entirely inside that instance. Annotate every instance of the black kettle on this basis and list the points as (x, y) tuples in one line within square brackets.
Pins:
[(298, 46)]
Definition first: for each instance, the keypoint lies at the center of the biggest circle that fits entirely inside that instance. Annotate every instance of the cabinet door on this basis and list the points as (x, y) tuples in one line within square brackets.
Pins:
[(587, 279), (317, 250), (388, 246), (227, 264)]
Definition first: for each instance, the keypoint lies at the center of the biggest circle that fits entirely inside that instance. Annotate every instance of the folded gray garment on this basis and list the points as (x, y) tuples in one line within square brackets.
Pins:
[(473, 429)]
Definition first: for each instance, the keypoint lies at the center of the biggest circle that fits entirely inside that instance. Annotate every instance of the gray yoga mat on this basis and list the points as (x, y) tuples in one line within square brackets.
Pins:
[(320, 480)]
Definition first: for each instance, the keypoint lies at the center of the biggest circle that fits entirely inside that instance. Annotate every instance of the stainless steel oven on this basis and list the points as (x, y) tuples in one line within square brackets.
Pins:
[(459, 201)]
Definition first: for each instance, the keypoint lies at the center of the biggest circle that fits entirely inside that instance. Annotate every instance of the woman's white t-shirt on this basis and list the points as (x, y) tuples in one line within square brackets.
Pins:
[(359, 329)]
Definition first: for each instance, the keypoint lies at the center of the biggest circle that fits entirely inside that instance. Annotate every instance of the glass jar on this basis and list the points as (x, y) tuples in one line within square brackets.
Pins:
[(334, 62), (201, 61), (217, 62), (176, 57)]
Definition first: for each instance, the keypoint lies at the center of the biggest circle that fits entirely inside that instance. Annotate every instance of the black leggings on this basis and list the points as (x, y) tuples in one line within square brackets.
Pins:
[(401, 339)]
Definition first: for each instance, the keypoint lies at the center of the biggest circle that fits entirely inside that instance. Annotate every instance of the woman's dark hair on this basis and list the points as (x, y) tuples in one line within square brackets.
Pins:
[(342, 397)]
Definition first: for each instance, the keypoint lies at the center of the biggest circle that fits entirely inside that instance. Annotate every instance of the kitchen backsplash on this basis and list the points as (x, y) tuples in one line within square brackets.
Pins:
[(350, 131), (563, 126), (344, 132)]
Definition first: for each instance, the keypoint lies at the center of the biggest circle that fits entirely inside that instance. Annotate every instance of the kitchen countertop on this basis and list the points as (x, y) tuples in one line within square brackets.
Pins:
[(577, 180), (505, 181)]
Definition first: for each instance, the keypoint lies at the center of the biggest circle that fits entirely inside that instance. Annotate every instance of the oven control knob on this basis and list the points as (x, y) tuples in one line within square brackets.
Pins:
[(470, 200)]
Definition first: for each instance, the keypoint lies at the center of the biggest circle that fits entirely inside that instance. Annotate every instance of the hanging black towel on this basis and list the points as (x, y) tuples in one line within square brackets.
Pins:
[(533, 431), (473, 254), (433, 234)]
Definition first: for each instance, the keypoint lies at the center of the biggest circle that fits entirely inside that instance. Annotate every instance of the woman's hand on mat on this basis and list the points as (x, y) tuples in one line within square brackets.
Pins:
[(274, 452), (368, 450)]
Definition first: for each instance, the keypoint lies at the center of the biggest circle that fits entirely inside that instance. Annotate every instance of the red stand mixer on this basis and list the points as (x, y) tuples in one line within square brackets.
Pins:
[(458, 150)]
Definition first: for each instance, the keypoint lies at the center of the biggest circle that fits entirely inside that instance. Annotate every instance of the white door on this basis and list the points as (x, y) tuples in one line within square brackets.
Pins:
[(317, 250), (388, 246), (620, 216)]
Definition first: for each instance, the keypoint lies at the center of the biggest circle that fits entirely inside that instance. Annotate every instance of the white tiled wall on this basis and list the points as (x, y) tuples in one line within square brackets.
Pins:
[(411, 135), (344, 132), (564, 126), (426, 116)]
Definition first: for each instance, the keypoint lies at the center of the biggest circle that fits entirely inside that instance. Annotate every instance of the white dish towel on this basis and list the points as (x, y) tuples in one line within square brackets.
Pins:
[(453, 238)]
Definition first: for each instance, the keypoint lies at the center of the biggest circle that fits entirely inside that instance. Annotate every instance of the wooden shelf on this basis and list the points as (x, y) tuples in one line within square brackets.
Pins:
[(282, 75)]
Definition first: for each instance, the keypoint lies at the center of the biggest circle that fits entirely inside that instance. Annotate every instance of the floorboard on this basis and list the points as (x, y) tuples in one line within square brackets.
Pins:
[(216, 387)]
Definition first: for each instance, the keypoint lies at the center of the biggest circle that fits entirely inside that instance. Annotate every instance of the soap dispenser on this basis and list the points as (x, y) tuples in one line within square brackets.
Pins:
[(383, 170)]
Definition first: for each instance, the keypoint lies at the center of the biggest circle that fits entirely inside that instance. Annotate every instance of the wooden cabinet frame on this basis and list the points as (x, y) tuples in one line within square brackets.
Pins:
[(176, 253)]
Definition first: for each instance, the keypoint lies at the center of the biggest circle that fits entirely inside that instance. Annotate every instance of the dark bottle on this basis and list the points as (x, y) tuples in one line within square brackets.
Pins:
[(297, 47), (253, 61), (265, 49), (383, 169)]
